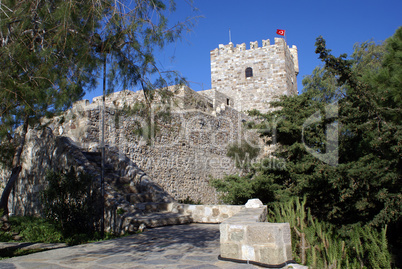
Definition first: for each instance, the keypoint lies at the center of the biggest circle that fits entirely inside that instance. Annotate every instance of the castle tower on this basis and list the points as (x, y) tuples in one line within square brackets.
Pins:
[(252, 78)]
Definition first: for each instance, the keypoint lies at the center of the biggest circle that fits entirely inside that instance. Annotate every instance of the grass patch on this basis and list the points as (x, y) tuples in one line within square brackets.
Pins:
[(40, 230), (34, 230)]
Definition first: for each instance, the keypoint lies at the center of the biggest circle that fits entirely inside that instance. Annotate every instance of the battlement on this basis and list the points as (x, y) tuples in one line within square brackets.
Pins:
[(266, 44), (252, 78)]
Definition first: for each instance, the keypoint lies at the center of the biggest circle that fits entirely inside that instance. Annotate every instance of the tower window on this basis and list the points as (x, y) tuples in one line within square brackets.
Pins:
[(249, 72)]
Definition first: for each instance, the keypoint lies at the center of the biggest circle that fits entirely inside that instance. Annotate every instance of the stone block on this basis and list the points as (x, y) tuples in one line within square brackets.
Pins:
[(254, 203), (261, 233), (272, 255), (248, 253), (244, 236), (236, 236), (231, 250)]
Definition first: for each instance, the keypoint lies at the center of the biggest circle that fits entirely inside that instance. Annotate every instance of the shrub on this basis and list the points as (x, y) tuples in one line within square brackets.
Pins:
[(72, 200), (320, 244), (243, 153)]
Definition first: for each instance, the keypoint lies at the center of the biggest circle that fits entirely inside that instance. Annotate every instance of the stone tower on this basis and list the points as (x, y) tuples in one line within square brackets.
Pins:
[(252, 78)]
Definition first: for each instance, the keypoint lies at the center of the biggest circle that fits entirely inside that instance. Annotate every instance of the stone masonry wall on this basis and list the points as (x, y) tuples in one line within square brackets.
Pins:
[(43, 152), (274, 73), (181, 142), (183, 153)]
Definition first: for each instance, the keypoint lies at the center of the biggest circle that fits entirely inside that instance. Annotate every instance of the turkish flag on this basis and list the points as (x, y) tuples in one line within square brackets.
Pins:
[(280, 32)]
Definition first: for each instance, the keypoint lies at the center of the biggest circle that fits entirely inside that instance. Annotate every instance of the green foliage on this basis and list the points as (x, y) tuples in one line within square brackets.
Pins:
[(52, 51), (320, 244), (364, 185), (72, 201), (33, 229), (367, 183), (7, 149), (237, 190), (243, 153), (39, 230), (120, 211)]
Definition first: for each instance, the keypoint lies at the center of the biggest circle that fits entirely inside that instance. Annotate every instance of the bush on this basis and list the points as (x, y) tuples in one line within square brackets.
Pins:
[(243, 153), (320, 244), (33, 229), (72, 200)]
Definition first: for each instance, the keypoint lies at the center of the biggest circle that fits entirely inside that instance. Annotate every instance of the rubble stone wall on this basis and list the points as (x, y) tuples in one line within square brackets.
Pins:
[(182, 153)]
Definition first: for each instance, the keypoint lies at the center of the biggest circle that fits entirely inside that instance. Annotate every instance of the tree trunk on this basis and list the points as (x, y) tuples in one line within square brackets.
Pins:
[(15, 171)]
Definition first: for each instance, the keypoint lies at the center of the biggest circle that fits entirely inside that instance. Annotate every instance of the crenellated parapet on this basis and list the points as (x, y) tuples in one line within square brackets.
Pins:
[(230, 48), (253, 77)]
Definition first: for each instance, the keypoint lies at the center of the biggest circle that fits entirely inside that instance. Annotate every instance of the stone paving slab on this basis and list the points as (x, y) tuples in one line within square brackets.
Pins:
[(29, 246), (192, 246)]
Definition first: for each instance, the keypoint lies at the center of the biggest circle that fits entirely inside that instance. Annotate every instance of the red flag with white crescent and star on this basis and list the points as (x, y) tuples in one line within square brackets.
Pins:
[(280, 32)]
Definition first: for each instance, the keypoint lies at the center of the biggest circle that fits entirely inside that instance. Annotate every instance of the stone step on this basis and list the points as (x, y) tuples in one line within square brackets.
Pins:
[(148, 207), (159, 219), (96, 158), (135, 198), (92, 156)]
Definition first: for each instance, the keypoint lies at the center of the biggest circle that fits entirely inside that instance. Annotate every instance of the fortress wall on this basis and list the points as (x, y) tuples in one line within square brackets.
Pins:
[(183, 153), (43, 152), (217, 98)]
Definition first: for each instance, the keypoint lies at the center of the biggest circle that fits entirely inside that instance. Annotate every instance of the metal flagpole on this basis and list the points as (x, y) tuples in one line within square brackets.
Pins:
[(286, 40)]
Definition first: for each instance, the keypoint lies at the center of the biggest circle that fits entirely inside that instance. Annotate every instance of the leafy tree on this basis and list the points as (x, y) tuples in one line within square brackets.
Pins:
[(51, 51), (368, 179), (47, 62)]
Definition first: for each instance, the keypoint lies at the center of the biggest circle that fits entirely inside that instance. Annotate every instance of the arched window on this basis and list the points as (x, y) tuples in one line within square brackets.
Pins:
[(249, 72)]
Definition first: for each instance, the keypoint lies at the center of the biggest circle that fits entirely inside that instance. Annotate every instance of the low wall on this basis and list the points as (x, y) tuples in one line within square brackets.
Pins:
[(248, 237), (210, 213)]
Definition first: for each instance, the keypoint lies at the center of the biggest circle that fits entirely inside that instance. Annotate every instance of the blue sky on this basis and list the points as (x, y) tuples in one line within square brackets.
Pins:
[(342, 23)]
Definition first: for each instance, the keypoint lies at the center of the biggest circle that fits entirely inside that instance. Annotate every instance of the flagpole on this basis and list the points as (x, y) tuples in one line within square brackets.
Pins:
[(282, 33)]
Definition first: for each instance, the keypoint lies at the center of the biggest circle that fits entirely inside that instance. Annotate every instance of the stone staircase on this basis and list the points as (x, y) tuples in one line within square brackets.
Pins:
[(135, 198)]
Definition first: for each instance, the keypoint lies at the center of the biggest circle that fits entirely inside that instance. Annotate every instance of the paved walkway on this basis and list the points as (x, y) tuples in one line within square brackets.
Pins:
[(192, 246)]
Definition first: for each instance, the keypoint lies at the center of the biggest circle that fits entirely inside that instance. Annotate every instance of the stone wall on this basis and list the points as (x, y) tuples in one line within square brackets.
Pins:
[(274, 69), (43, 152), (181, 141), (248, 237), (183, 152), (217, 98), (210, 213)]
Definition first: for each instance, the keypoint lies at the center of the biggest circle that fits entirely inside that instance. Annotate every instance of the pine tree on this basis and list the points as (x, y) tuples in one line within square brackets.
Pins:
[(364, 184), (52, 51), (47, 61)]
